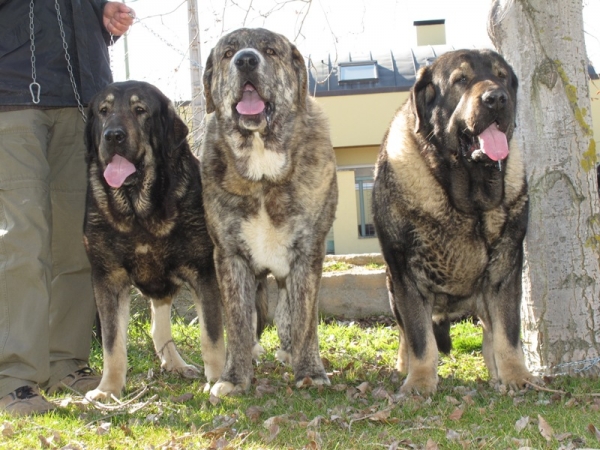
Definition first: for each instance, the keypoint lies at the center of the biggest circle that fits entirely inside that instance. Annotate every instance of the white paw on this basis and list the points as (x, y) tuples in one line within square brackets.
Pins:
[(283, 356), (102, 394), (222, 388), (257, 351)]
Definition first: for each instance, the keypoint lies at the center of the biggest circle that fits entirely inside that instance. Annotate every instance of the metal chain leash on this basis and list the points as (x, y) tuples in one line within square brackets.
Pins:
[(35, 87), (587, 364), (68, 58)]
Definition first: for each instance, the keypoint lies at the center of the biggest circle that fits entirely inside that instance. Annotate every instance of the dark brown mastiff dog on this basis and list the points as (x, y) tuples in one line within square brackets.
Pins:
[(450, 207), (270, 195), (145, 227)]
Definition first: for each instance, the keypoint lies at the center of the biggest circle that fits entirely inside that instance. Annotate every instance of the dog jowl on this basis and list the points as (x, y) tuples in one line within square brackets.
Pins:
[(270, 195), (451, 208), (145, 227)]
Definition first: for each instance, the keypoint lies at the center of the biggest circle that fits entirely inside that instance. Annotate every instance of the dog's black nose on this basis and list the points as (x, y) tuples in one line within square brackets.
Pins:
[(246, 61), (494, 98), (115, 135)]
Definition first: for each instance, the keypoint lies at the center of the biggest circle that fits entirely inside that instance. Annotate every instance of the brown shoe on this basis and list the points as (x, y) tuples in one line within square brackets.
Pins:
[(24, 401), (81, 381)]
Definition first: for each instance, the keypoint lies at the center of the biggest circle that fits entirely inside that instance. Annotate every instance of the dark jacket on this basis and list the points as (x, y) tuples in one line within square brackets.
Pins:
[(87, 41)]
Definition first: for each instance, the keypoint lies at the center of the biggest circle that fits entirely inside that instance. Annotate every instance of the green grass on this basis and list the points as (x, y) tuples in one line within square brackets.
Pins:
[(336, 266), (360, 410)]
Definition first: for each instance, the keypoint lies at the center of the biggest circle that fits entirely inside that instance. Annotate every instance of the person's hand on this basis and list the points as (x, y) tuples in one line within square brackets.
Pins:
[(117, 18)]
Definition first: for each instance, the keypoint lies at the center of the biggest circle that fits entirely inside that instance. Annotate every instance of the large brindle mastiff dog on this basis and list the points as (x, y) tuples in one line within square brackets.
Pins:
[(270, 195), (450, 205), (145, 226)]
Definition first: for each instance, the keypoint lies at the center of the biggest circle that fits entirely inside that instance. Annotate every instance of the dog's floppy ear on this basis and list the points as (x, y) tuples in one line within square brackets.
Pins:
[(175, 129), (301, 73), (207, 80), (421, 94)]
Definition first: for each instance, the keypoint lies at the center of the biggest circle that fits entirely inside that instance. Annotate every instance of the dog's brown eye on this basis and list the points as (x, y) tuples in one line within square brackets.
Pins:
[(139, 110), (103, 110), (502, 75), (228, 53), (461, 79), (270, 51)]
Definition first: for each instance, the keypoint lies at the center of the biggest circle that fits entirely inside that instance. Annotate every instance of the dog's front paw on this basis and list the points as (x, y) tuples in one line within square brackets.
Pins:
[(517, 380), (188, 371), (283, 356), (313, 380), (424, 387), (100, 394), (223, 388)]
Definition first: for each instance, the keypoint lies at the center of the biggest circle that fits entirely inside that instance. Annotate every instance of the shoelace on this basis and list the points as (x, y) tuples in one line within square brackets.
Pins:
[(25, 392)]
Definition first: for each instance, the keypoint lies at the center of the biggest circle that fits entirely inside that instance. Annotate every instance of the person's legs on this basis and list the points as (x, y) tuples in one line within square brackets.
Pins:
[(72, 307), (25, 258)]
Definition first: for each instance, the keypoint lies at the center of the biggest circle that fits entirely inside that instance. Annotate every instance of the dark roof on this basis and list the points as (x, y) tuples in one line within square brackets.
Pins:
[(417, 23), (396, 70)]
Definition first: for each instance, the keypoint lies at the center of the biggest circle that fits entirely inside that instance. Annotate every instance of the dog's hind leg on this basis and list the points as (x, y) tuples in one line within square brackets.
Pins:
[(113, 309), (163, 340), (207, 299), (502, 347), (259, 317), (284, 324)]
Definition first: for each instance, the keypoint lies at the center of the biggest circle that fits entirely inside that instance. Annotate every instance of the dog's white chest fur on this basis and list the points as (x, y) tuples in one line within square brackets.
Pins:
[(268, 244), (263, 162)]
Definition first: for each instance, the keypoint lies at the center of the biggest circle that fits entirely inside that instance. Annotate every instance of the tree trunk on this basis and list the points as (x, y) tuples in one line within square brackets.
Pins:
[(543, 41)]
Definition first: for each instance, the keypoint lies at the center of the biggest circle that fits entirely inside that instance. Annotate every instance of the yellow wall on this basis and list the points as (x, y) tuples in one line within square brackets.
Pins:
[(359, 120), (431, 34), (345, 226), (356, 156)]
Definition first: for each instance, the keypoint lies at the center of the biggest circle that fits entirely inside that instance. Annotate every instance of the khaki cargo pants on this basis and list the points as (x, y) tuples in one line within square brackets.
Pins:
[(46, 301)]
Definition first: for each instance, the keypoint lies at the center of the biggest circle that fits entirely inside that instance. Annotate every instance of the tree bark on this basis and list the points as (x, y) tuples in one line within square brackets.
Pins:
[(543, 40)]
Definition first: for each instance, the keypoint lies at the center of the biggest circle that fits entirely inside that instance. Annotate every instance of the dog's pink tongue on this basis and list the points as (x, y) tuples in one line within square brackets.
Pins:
[(493, 143), (117, 171), (251, 102)]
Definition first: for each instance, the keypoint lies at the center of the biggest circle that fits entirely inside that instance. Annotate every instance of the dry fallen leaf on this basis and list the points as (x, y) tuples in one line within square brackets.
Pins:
[(183, 398), (563, 436), (545, 429), (103, 428), (214, 400), (381, 416), (273, 432), (521, 424), (275, 420), (253, 413), (6, 429), (431, 445), (363, 387), (452, 435), (451, 400), (44, 442), (456, 414), (592, 429)]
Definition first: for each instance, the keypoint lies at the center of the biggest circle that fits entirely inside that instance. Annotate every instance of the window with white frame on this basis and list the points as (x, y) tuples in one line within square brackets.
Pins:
[(363, 182), (358, 71)]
